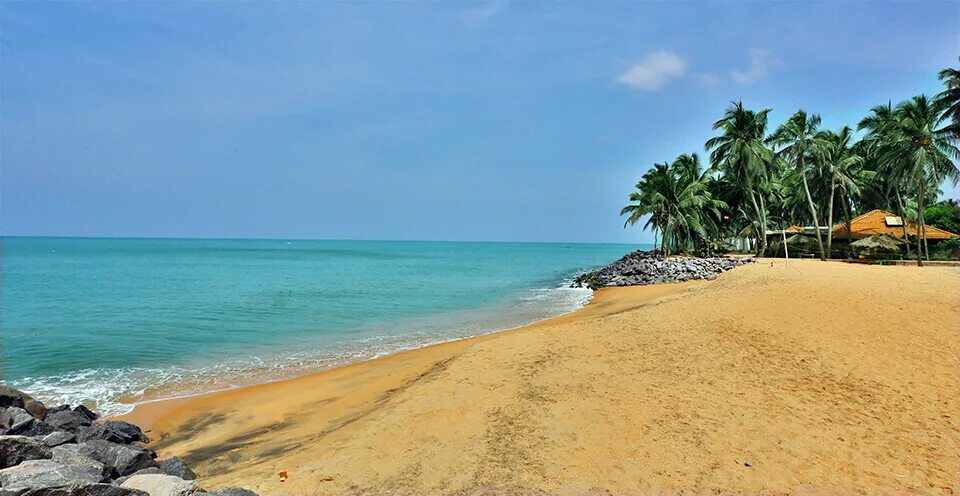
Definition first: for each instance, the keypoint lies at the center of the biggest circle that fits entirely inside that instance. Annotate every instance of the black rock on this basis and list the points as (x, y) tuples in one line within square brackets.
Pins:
[(650, 267), (90, 432), (68, 420), (121, 459), (42, 474), (56, 438), (233, 491), (59, 408), (129, 432), (85, 490), (37, 428), (15, 450), (175, 466), (15, 420), (86, 412)]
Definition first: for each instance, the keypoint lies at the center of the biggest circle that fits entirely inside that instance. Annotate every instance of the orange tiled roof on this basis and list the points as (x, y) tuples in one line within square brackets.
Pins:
[(794, 229), (874, 222)]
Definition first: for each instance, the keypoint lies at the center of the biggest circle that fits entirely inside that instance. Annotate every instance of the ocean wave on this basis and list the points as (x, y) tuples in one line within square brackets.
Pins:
[(115, 391)]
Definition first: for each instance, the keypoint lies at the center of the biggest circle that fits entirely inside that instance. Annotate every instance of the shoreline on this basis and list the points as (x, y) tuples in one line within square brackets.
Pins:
[(833, 377), (146, 413), (306, 372)]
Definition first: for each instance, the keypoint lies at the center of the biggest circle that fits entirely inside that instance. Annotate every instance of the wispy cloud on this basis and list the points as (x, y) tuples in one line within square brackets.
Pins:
[(761, 61), (654, 71), (707, 79)]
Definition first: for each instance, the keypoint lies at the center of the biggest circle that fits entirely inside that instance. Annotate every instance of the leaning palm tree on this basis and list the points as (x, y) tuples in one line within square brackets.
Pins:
[(795, 138), (923, 153), (839, 163), (740, 154), (949, 100), (648, 199)]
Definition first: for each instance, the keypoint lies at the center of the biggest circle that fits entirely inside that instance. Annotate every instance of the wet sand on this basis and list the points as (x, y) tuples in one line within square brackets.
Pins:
[(804, 377)]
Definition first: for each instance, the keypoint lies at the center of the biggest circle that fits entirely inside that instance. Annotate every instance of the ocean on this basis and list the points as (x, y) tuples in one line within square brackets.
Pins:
[(117, 321)]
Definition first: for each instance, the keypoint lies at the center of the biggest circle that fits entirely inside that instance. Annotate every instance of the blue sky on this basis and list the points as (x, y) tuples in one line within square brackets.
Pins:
[(408, 120)]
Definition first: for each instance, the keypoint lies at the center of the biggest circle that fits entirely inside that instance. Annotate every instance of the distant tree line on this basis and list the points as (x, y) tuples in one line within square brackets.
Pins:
[(759, 178)]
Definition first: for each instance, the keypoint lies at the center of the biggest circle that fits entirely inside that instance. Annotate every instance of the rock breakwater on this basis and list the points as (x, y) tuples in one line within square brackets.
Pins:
[(639, 268), (64, 451)]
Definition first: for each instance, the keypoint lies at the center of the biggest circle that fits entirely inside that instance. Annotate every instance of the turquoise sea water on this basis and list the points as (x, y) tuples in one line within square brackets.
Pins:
[(117, 320)]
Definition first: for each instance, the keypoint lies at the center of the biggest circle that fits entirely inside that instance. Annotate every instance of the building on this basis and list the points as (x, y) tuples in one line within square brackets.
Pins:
[(877, 222)]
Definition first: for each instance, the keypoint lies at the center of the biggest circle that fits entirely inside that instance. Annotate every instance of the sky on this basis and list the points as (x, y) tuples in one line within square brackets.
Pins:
[(506, 121)]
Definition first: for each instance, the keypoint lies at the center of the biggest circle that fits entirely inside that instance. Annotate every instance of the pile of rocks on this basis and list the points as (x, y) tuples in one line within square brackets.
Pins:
[(650, 267), (64, 451)]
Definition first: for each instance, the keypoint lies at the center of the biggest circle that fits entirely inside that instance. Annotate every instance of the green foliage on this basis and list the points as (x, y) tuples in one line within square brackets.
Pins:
[(945, 215), (802, 175)]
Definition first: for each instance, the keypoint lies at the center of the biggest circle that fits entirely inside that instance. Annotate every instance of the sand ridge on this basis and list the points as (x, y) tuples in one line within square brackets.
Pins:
[(799, 376)]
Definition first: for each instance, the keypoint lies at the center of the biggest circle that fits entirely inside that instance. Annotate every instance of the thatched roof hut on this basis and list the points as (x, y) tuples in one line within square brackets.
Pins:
[(877, 246)]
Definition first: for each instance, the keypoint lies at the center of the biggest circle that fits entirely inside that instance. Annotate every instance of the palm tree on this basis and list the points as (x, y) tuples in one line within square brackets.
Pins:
[(795, 137), (949, 100), (922, 151), (740, 154), (880, 127), (679, 203), (838, 163)]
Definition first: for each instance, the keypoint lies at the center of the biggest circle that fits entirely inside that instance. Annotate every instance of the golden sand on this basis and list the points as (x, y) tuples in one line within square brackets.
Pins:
[(805, 377)]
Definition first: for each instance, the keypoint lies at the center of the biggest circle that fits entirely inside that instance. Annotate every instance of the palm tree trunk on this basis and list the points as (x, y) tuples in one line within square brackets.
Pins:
[(903, 219), (756, 208), (666, 239), (923, 224), (763, 223), (813, 211), (833, 193), (919, 220), (846, 217)]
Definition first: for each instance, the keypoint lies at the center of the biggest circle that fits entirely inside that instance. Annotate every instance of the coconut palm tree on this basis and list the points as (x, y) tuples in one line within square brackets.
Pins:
[(880, 126), (741, 155), (949, 100), (838, 163), (795, 138), (679, 203), (922, 152)]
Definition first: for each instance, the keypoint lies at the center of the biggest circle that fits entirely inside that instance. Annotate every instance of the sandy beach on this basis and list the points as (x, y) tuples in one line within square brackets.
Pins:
[(780, 377)]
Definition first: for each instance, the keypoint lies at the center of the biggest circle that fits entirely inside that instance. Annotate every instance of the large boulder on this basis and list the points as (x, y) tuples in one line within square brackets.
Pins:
[(15, 420), (232, 491), (148, 470), (15, 450), (162, 485), (84, 490), (56, 438), (41, 474), (12, 397), (35, 408), (86, 412), (175, 466), (126, 431), (69, 455), (119, 458), (68, 420), (96, 431)]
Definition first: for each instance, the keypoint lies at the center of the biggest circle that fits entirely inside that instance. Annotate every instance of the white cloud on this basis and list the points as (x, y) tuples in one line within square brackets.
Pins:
[(654, 71), (761, 61), (708, 79)]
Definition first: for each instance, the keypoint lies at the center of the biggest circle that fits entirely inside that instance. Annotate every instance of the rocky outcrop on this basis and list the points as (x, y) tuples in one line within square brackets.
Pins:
[(64, 451), (651, 267)]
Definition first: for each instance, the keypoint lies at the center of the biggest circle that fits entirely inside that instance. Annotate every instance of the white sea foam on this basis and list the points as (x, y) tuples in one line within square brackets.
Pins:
[(116, 391)]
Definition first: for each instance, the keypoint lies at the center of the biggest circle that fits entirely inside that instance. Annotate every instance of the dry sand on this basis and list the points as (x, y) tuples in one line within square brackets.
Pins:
[(825, 378)]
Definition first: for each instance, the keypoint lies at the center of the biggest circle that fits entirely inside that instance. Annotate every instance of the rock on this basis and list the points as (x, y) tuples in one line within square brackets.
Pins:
[(68, 420), (119, 458), (71, 455), (85, 490), (233, 491), (146, 471), (175, 466), (748, 463), (649, 267), (59, 408), (127, 431), (37, 428), (15, 419), (40, 474), (10, 396), (56, 438), (35, 408), (15, 450), (95, 431), (86, 412), (162, 485)]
